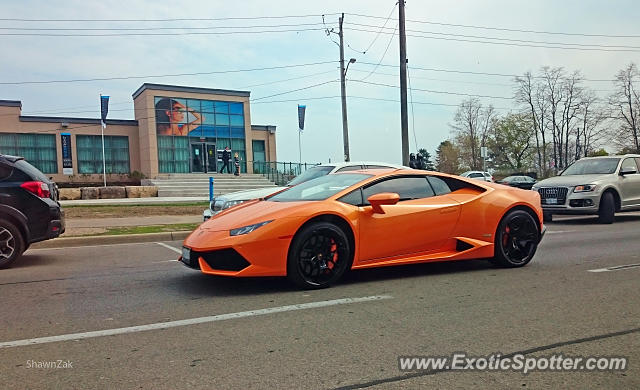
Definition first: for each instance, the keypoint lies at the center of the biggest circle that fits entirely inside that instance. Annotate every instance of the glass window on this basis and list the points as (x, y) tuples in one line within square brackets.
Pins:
[(237, 120), (350, 168), (439, 186), (222, 120), (379, 167), (173, 154), (475, 175), (236, 108), (37, 149), (592, 166), (223, 131), (408, 187), (222, 107), (5, 171), (237, 132), (353, 198), (311, 173), (207, 106), (194, 105), (320, 188), (629, 164), (237, 145), (89, 150)]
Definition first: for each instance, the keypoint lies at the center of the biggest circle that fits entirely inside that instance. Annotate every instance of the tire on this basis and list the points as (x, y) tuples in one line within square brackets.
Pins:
[(516, 239), (607, 210), (11, 243), (308, 263), (547, 217)]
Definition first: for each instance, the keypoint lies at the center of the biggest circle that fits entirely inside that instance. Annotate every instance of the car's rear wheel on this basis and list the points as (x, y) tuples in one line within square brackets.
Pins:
[(319, 255), (516, 239), (607, 210), (11, 243)]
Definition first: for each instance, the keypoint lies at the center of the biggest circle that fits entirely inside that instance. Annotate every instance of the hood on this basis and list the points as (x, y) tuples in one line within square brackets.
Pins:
[(248, 213), (572, 180), (251, 194)]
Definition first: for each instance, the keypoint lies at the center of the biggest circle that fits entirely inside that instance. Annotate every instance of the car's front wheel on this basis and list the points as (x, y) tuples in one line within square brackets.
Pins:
[(11, 243), (319, 255), (516, 239), (607, 210)]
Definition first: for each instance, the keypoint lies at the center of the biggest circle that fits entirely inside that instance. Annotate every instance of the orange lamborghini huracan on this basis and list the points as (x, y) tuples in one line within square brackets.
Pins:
[(315, 231)]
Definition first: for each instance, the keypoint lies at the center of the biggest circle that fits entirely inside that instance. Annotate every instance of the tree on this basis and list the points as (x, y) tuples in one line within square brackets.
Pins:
[(447, 159), (426, 159), (471, 126), (625, 106), (511, 142), (598, 153)]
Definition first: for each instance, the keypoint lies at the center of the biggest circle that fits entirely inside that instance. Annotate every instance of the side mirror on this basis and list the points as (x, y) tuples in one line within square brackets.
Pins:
[(628, 172), (383, 198)]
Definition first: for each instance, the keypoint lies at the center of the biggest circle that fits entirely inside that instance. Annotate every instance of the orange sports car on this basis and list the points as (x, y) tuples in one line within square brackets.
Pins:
[(313, 232)]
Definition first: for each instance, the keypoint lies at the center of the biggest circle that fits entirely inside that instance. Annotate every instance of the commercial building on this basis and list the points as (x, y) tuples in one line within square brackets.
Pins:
[(176, 129)]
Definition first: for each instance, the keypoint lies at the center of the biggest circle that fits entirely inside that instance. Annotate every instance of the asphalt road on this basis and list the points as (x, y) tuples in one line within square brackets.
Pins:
[(555, 305)]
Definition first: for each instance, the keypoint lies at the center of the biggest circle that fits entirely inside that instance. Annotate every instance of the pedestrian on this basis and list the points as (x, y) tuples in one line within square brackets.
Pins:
[(236, 161), (412, 161), (226, 156)]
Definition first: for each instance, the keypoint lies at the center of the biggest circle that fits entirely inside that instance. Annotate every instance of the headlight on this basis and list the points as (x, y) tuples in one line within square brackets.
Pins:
[(247, 229), (230, 203), (585, 188)]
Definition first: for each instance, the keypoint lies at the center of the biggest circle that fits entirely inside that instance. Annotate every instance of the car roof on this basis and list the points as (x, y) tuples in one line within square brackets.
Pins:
[(11, 158), (612, 156), (350, 163)]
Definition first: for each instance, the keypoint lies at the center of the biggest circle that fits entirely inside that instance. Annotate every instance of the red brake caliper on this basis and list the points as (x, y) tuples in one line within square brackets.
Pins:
[(505, 237), (334, 250)]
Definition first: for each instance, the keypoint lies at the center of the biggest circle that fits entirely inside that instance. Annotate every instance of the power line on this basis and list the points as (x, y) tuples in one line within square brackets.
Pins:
[(165, 20), (165, 75), (377, 35), (153, 28), (295, 90), (434, 91), (506, 39), (474, 73), (506, 43), (507, 29), (161, 34), (383, 54)]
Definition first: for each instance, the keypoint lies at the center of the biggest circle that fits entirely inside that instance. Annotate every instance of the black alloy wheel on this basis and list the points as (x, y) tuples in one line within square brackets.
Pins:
[(516, 239), (319, 255), (11, 243)]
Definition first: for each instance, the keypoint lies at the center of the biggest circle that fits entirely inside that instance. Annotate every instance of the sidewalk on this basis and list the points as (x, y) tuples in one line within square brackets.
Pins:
[(85, 230)]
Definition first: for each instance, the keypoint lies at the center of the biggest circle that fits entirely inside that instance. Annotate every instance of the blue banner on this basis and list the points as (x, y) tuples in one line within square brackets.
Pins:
[(301, 110), (104, 108), (67, 161)]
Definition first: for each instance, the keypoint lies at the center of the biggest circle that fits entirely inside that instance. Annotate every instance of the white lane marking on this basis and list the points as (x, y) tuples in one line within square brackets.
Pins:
[(560, 231), (191, 321), (616, 268), (178, 251), (164, 261)]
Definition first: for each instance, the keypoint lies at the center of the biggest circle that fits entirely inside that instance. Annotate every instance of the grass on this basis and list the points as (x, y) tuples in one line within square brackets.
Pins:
[(114, 231)]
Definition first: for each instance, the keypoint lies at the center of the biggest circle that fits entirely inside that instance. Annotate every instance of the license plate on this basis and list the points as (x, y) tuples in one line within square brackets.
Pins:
[(551, 201), (186, 255)]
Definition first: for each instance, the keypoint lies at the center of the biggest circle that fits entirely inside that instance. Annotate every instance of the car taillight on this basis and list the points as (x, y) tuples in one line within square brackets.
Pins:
[(38, 188)]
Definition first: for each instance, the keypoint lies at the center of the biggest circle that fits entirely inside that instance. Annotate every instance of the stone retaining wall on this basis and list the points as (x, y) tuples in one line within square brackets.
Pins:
[(112, 192)]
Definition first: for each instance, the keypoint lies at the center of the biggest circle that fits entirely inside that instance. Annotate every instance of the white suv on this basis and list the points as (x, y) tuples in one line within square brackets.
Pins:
[(225, 201), (479, 175)]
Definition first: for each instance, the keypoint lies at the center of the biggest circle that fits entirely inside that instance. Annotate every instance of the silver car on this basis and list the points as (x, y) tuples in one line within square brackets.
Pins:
[(594, 185), (225, 201)]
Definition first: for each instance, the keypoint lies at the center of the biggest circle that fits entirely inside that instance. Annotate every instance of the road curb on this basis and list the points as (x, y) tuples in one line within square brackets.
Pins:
[(108, 240)]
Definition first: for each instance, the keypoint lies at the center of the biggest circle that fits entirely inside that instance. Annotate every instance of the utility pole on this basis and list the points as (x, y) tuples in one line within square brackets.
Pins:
[(343, 92), (404, 116)]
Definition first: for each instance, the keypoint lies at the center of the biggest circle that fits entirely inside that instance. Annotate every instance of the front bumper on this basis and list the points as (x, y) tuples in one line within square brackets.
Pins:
[(580, 203)]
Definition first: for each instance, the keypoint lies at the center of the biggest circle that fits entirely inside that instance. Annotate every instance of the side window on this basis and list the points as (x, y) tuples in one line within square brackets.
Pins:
[(350, 168), (408, 187), (378, 167), (5, 171), (629, 164), (440, 187), (352, 198), (475, 175)]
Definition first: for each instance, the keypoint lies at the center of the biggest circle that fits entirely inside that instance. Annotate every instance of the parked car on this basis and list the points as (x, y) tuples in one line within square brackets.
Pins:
[(312, 233), (29, 208), (225, 201), (478, 175), (524, 182), (594, 185)]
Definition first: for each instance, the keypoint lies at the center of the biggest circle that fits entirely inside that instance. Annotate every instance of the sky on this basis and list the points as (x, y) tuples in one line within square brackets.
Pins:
[(447, 64)]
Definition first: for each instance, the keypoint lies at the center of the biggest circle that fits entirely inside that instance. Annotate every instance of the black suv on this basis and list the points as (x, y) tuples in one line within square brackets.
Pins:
[(29, 208)]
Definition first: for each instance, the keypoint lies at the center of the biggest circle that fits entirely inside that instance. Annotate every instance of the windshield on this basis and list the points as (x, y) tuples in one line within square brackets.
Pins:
[(320, 188), (592, 167), (311, 173)]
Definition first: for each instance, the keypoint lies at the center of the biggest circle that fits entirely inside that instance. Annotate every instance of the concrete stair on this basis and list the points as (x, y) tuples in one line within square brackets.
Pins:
[(197, 184)]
